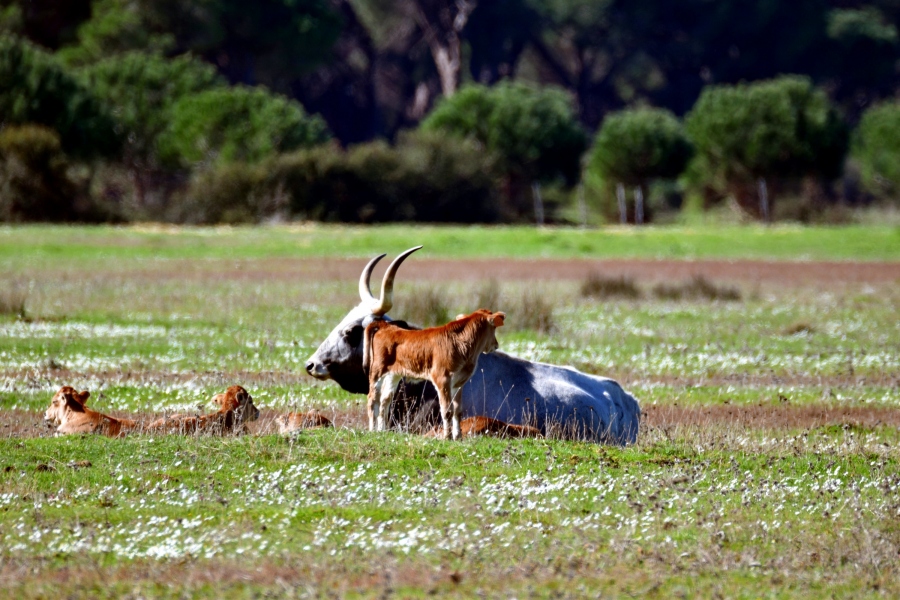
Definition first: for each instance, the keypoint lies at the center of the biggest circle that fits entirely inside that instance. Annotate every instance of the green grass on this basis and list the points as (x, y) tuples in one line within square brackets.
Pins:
[(65, 244), (148, 321), (342, 500)]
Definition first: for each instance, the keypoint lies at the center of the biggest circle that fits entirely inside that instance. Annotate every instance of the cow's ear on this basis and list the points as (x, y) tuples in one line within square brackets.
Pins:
[(83, 396), (497, 318)]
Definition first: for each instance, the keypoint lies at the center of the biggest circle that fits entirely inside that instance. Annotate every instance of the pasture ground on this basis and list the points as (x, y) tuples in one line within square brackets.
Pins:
[(767, 463)]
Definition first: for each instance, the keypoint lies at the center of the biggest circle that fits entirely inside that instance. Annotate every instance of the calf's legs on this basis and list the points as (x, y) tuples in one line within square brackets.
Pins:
[(381, 392)]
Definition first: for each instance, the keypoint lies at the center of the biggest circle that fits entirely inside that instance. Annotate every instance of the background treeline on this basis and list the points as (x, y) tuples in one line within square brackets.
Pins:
[(445, 110)]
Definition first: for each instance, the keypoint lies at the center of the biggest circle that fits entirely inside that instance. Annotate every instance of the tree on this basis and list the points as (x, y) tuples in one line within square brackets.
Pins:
[(37, 89), (116, 26), (48, 23), (533, 131), (34, 184), (270, 42), (635, 146), (876, 146), (140, 90), (442, 23), (237, 124), (781, 128)]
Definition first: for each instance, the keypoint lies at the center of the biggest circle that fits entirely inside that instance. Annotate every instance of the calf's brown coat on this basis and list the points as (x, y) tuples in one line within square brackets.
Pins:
[(446, 356)]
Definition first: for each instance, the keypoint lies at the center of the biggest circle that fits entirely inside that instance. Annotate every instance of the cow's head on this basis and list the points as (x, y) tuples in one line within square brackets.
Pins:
[(67, 398), (237, 399), (339, 357)]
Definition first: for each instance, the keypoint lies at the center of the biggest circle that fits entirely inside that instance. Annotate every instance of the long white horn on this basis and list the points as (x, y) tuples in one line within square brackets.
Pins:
[(386, 301), (365, 292)]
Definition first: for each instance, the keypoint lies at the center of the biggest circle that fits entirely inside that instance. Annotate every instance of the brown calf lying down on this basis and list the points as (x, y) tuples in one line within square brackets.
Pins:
[(446, 356), (236, 408), (298, 420), (68, 412), (474, 426)]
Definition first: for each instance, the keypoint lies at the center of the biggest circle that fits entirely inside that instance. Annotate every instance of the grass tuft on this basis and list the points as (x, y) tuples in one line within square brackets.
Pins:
[(698, 288), (800, 328), (13, 296), (488, 295), (426, 306), (604, 288), (534, 312)]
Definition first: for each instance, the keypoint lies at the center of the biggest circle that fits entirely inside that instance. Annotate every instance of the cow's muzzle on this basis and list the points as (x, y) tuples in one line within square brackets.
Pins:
[(317, 370)]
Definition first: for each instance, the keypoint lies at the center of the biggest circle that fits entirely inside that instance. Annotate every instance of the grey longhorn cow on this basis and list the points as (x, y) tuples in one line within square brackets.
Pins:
[(554, 399)]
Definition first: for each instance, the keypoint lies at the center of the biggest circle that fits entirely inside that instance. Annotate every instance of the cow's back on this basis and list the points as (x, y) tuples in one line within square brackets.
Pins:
[(551, 398)]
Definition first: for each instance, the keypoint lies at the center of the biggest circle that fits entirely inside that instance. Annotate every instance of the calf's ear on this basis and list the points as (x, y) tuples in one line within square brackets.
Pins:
[(83, 396), (497, 319), (74, 403)]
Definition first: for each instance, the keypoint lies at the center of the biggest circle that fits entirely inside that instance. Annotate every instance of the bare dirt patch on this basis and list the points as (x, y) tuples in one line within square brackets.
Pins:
[(770, 417), (782, 273)]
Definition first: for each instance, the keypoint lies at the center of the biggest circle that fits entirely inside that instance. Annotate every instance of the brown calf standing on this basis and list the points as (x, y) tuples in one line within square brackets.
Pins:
[(236, 408), (446, 356), (68, 411), (487, 426), (298, 420)]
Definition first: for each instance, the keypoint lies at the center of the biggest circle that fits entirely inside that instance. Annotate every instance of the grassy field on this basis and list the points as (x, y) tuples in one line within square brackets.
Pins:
[(767, 463), (783, 242)]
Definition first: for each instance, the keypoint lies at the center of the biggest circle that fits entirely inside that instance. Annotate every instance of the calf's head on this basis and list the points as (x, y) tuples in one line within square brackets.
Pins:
[(493, 320), (237, 399), (339, 357), (67, 398)]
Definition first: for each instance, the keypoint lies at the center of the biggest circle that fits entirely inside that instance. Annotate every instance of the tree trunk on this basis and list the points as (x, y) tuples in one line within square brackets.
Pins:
[(442, 26), (140, 190), (623, 209), (582, 205), (638, 205), (763, 199), (538, 203)]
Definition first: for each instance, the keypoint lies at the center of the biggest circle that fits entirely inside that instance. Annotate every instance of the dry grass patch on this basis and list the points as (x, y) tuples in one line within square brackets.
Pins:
[(426, 306), (13, 297), (697, 288), (604, 288)]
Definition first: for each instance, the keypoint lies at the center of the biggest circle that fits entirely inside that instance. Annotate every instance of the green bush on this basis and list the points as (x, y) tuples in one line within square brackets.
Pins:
[(635, 146), (140, 90), (446, 179), (36, 89), (780, 127), (34, 181), (534, 133), (876, 148), (424, 178), (784, 127), (230, 193), (241, 123)]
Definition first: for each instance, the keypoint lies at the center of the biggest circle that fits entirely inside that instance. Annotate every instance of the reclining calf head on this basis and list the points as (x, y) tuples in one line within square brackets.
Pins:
[(237, 399), (65, 400)]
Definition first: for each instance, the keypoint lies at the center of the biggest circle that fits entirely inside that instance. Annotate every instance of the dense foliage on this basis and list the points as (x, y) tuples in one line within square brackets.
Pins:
[(423, 177), (877, 149), (34, 184), (163, 91), (772, 129), (36, 89), (237, 124), (635, 146), (533, 131)]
